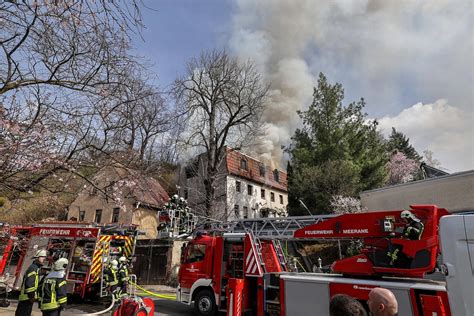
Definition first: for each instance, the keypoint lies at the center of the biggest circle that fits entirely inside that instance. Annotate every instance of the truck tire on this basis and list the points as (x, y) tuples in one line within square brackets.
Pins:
[(204, 303)]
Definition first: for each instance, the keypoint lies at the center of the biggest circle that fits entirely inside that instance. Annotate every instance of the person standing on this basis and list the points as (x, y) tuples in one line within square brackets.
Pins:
[(123, 275), (111, 277), (53, 291), (29, 285), (382, 302)]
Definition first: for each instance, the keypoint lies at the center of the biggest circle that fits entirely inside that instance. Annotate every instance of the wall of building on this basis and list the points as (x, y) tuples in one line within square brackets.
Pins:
[(192, 188), (147, 221), (89, 203), (454, 192), (254, 202), (145, 218)]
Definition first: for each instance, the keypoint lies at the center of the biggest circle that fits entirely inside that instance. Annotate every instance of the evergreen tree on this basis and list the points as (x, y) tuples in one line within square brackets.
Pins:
[(397, 141), (336, 152)]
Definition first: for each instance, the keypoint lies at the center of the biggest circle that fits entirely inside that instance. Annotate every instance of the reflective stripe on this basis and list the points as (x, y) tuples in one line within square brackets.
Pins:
[(52, 304), (23, 291)]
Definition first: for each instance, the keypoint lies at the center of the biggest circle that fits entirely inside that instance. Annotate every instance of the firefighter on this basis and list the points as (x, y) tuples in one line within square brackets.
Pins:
[(413, 231), (414, 228), (111, 277), (29, 285), (123, 275), (53, 291)]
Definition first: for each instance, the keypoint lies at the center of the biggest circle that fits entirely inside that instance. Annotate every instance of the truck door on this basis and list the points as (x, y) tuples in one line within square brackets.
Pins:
[(195, 263)]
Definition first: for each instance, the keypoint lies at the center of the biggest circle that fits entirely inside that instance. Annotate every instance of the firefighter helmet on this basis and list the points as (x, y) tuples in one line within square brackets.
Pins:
[(408, 215), (41, 253), (122, 259), (60, 264), (114, 264)]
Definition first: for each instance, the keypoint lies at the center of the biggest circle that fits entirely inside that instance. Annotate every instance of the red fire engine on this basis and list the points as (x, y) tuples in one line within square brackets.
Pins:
[(242, 268), (85, 245)]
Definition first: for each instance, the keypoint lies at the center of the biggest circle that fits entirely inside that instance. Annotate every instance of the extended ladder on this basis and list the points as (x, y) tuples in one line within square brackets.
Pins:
[(272, 228)]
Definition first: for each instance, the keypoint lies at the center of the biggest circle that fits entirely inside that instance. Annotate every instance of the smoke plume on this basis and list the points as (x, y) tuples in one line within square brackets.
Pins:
[(391, 52)]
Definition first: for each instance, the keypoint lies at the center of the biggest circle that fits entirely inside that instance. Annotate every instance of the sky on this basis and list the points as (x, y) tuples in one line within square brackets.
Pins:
[(411, 60)]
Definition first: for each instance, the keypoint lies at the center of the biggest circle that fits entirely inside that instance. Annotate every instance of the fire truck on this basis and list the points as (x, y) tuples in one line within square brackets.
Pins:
[(86, 246), (240, 268)]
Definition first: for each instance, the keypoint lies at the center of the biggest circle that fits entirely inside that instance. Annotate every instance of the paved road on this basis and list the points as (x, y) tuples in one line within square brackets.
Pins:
[(162, 308)]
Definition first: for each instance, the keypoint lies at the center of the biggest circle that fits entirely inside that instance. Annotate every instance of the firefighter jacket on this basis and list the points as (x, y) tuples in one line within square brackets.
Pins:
[(29, 285), (110, 276), (123, 273), (414, 230), (53, 291)]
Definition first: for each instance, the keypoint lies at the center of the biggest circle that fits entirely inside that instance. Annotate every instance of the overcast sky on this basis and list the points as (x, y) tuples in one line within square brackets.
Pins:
[(411, 60)]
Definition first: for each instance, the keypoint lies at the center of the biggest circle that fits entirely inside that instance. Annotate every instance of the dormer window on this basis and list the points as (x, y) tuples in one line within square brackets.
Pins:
[(276, 175), (243, 164)]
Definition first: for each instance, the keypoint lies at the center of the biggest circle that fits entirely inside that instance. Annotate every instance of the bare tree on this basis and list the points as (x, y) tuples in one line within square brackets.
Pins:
[(62, 64), (223, 99)]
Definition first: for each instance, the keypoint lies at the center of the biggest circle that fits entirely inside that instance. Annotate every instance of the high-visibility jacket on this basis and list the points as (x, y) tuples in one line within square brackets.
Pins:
[(111, 277), (123, 273), (29, 285), (414, 230), (53, 292)]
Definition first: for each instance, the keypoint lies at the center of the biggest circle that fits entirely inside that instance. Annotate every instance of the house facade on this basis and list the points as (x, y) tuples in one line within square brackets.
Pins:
[(123, 196), (245, 187)]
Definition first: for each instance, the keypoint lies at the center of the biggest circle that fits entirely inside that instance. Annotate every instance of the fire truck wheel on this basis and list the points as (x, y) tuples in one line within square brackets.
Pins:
[(204, 304)]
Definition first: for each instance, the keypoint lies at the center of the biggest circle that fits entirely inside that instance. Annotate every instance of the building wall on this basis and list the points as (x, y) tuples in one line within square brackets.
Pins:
[(193, 189), (455, 192), (145, 218), (254, 202), (90, 203), (147, 222)]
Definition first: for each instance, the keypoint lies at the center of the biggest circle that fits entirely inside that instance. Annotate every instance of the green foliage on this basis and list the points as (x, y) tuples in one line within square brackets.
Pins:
[(397, 141), (336, 152)]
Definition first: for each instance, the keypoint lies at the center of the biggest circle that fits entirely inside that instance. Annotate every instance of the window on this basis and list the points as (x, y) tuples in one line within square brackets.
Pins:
[(98, 216), (246, 212), (249, 189), (82, 216), (272, 196), (262, 170), (237, 186), (243, 164), (262, 194), (115, 215), (236, 210), (281, 199), (276, 175), (195, 252)]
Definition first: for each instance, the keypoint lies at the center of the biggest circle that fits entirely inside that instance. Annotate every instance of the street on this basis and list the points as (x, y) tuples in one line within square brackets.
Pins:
[(163, 307)]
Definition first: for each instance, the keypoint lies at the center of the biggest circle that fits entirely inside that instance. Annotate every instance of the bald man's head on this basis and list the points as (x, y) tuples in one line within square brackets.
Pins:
[(382, 302)]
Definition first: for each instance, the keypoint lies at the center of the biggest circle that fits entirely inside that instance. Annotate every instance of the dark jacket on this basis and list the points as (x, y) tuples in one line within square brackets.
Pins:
[(53, 292), (29, 285), (414, 230)]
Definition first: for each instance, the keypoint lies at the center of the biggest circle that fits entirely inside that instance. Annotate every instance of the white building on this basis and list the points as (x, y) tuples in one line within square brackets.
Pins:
[(245, 187)]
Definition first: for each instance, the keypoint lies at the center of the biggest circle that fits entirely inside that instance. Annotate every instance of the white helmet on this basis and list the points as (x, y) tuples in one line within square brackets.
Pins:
[(114, 264), (408, 215), (60, 264), (41, 253), (122, 259)]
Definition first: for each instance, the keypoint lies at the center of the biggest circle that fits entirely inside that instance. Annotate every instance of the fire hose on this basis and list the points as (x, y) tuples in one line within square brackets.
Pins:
[(103, 311), (145, 291)]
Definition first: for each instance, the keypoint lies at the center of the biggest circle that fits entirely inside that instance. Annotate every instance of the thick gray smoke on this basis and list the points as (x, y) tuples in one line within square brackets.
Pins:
[(394, 53)]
